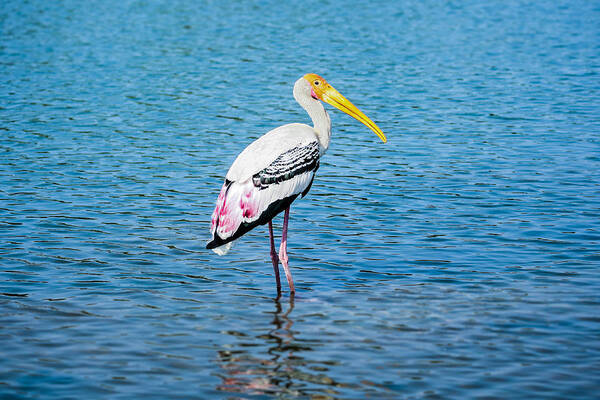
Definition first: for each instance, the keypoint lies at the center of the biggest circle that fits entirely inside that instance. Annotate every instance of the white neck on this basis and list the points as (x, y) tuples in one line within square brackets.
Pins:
[(316, 111)]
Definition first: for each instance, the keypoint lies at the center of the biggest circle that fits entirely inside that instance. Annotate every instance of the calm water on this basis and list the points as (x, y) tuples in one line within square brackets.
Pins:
[(460, 259)]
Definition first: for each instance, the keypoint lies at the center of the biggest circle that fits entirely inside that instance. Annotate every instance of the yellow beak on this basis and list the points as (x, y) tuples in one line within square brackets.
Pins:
[(335, 98)]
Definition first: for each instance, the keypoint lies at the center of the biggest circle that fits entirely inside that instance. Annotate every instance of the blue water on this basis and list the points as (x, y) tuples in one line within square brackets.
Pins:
[(459, 260)]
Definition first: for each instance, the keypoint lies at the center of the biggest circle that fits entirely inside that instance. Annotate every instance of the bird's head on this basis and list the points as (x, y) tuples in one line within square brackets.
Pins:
[(321, 90)]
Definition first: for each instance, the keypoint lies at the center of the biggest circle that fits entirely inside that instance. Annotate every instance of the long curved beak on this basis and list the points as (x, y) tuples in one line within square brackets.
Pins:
[(335, 98)]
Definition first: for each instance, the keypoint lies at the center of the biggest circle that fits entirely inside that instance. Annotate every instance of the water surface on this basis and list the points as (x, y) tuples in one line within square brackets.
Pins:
[(458, 260)]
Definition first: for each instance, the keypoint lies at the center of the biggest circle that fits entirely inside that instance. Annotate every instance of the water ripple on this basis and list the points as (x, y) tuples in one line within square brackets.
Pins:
[(457, 260)]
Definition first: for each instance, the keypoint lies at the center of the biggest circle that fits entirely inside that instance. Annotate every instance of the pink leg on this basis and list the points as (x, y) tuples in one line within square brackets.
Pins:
[(283, 251), (274, 258)]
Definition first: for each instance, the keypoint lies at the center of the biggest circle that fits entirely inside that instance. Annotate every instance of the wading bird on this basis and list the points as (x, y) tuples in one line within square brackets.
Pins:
[(276, 168)]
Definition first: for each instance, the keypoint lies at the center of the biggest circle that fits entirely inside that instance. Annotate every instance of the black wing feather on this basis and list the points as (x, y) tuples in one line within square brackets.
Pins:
[(293, 162)]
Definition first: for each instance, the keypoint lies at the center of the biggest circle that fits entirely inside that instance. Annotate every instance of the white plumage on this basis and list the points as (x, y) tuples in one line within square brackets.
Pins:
[(264, 150)]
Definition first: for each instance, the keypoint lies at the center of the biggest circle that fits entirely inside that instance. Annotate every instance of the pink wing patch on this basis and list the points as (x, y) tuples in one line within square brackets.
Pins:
[(218, 208), (236, 203), (248, 204)]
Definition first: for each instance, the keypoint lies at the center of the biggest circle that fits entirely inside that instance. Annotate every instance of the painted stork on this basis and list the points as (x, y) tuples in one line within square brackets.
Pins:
[(276, 168)]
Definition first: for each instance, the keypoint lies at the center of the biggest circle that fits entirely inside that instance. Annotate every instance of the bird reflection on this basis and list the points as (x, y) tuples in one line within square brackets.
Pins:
[(271, 362)]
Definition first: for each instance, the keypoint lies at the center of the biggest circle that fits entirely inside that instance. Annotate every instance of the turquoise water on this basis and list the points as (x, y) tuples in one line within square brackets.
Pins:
[(459, 260)]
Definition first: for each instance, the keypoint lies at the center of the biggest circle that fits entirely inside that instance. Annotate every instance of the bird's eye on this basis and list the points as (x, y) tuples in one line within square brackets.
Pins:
[(317, 83)]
